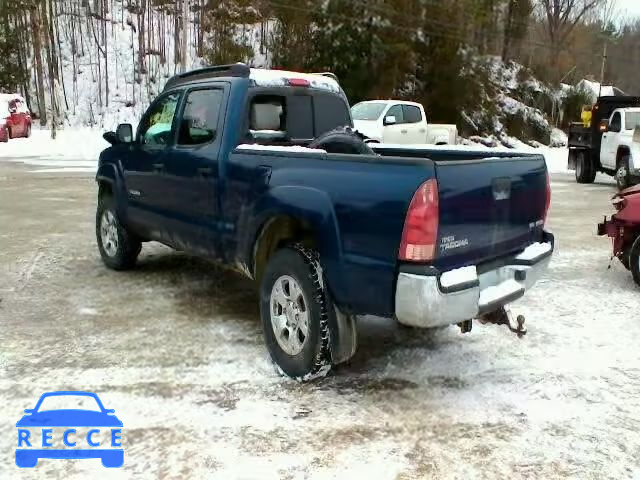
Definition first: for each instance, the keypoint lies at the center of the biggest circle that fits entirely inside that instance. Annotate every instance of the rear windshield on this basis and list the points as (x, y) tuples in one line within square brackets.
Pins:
[(632, 120), (367, 110)]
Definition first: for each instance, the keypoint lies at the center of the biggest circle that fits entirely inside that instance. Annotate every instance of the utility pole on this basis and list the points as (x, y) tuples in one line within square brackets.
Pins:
[(604, 65), (185, 35)]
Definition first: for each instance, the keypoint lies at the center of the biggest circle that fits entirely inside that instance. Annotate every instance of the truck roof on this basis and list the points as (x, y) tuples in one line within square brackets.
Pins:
[(395, 102), (259, 76)]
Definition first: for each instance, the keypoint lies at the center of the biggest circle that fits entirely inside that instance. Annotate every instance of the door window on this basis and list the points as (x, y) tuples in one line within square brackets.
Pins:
[(396, 111), (616, 122), (157, 125), (199, 121), (412, 114)]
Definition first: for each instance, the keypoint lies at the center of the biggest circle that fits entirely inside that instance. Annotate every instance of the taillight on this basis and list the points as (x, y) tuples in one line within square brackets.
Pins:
[(420, 234), (547, 205)]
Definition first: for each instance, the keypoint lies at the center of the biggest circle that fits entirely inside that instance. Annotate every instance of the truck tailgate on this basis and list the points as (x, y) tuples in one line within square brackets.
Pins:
[(489, 207)]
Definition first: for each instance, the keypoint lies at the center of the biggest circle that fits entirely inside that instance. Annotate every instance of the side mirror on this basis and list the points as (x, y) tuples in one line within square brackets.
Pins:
[(124, 133), (110, 137), (604, 126), (390, 120)]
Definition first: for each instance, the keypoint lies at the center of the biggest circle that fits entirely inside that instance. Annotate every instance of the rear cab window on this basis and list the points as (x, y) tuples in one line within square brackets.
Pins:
[(294, 117)]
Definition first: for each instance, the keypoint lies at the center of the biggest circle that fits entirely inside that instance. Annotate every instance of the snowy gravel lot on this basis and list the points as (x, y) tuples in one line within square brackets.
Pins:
[(175, 347)]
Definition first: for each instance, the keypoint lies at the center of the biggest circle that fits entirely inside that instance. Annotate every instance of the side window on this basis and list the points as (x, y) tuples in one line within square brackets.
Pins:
[(616, 122), (199, 121), (396, 111), (156, 126), (330, 111), (412, 114)]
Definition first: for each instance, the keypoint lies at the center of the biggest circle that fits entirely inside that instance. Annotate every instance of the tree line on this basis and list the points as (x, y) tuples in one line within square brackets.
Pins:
[(426, 50)]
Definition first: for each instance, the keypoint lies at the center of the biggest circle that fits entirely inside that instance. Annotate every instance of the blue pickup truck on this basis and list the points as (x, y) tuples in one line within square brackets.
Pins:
[(259, 170)]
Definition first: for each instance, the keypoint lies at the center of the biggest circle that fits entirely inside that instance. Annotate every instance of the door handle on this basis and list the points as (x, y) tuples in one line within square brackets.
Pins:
[(265, 174), (158, 167), (205, 171), (403, 132), (422, 130)]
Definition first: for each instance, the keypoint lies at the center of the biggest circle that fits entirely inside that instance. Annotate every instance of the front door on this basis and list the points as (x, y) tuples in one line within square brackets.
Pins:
[(191, 170), (609, 147), (396, 133), (144, 166)]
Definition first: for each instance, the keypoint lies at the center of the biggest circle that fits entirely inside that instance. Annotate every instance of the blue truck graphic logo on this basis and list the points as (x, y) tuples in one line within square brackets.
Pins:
[(35, 430)]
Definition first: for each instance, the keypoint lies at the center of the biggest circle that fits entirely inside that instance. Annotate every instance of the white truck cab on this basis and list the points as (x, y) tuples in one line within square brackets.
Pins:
[(400, 122), (620, 147)]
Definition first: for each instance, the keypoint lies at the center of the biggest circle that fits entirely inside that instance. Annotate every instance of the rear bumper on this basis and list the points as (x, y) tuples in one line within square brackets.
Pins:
[(436, 299)]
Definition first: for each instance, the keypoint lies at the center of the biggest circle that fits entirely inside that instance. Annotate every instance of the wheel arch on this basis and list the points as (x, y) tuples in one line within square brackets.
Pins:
[(623, 151), (290, 215), (109, 180)]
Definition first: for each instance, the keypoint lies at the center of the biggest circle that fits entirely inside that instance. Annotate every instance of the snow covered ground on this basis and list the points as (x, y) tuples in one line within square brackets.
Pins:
[(77, 150), (175, 347)]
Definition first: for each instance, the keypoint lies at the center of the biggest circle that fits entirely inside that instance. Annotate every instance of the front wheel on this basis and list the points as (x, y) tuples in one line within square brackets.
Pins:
[(118, 247), (623, 177), (634, 261), (294, 308)]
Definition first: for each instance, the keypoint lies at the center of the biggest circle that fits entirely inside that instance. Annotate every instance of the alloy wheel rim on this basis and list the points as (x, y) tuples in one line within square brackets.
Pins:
[(289, 315), (109, 233)]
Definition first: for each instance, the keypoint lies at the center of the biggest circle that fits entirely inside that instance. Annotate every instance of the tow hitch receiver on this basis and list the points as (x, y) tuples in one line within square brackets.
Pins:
[(503, 316)]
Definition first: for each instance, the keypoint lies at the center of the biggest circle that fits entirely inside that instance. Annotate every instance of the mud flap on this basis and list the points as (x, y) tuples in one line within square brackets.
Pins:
[(344, 336)]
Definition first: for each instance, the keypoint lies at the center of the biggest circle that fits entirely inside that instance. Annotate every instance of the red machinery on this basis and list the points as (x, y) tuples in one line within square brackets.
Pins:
[(624, 229)]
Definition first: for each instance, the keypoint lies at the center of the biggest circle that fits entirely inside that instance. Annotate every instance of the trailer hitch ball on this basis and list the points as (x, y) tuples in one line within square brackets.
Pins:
[(503, 316)]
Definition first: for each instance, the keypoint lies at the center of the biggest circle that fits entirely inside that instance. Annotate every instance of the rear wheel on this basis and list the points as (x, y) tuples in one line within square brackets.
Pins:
[(623, 178), (585, 169), (294, 308), (9, 133), (634, 261), (5, 137)]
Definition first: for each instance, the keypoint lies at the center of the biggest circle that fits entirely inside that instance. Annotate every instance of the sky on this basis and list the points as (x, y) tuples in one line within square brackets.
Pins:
[(631, 7)]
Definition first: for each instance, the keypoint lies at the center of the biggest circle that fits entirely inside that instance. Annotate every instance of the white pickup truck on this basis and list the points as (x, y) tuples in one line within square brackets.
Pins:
[(400, 122), (620, 148), (610, 144)]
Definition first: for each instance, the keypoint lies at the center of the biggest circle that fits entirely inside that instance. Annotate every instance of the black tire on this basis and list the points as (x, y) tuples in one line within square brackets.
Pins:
[(122, 255), (6, 136), (585, 169), (343, 140), (623, 180), (624, 258), (634, 261), (28, 132), (9, 133), (314, 359)]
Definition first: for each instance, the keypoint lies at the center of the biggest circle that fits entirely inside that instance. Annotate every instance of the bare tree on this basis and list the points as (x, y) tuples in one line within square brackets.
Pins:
[(560, 19)]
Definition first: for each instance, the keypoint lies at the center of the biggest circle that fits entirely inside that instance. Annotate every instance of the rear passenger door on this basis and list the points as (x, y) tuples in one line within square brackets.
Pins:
[(192, 171), (415, 125)]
